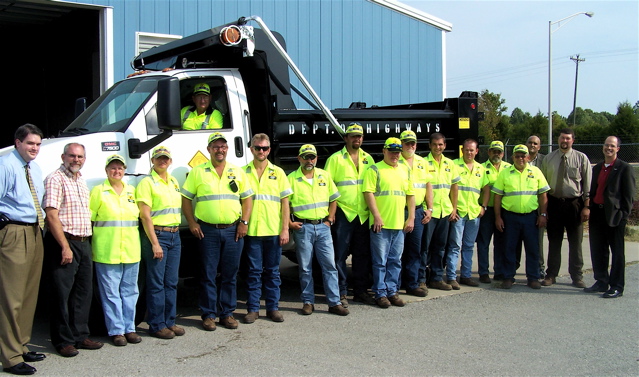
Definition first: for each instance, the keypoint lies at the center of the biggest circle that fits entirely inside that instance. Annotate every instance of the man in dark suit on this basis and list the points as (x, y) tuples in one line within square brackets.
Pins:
[(611, 194)]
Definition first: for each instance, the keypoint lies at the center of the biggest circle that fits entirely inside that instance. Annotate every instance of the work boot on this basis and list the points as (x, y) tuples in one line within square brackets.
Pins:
[(395, 300), (485, 279), (250, 317), (338, 309), (548, 281), (469, 282), (454, 284), (439, 284)]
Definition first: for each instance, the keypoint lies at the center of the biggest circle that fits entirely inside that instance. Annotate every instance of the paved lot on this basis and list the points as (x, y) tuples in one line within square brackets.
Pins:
[(557, 330)]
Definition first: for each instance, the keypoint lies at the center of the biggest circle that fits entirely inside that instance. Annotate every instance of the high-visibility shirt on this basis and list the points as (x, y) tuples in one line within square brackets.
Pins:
[(491, 176), (348, 180), (444, 174), (266, 217), (420, 176), (310, 200), (116, 238), (390, 185), (469, 188), (520, 188), (163, 197), (217, 198), (208, 120)]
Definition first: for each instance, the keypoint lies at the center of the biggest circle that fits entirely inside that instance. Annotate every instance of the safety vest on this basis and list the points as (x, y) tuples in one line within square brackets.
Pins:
[(116, 238), (390, 186), (470, 185), (349, 180), (420, 175), (444, 175), (266, 216), (217, 198), (192, 121), (520, 188), (163, 197), (491, 176), (310, 201)]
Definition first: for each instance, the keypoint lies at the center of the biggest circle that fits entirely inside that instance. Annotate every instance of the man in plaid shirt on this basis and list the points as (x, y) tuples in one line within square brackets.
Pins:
[(68, 258)]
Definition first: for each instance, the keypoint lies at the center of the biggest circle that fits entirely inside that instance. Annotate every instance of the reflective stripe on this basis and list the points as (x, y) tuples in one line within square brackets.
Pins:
[(349, 183), (187, 194), (390, 193), (470, 189), (334, 197), (286, 193), (271, 198), (206, 120), (440, 186), (217, 197), (247, 193), (520, 193), (419, 185), (166, 211), (497, 191), (543, 189), (309, 206), (115, 223)]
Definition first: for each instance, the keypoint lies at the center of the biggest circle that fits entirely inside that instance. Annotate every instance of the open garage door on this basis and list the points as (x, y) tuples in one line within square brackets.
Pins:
[(52, 53)]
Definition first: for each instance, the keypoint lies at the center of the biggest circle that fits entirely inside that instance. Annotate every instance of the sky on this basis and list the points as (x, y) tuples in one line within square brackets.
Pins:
[(502, 46)]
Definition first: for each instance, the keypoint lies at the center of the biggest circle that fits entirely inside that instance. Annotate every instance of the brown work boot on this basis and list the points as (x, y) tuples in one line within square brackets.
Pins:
[(578, 283), (275, 315), (343, 300), (165, 333), (395, 300), (506, 284), (383, 302), (548, 281), (229, 322), (338, 309), (469, 282), (250, 317), (209, 324), (454, 284), (485, 279), (419, 291), (133, 337), (307, 309), (534, 284), (177, 330), (439, 285)]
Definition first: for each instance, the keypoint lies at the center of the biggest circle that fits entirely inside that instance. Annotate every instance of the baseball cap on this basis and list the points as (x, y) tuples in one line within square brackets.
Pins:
[(161, 151), (498, 145), (216, 136), (202, 88), (393, 144), (520, 148), (408, 135), (307, 149), (355, 129), (115, 157)]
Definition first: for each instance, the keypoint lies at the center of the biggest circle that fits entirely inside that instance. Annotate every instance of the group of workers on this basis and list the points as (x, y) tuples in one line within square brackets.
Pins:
[(406, 220)]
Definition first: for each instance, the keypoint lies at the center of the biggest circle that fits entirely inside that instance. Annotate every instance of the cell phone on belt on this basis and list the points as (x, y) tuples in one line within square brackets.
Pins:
[(4, 220)]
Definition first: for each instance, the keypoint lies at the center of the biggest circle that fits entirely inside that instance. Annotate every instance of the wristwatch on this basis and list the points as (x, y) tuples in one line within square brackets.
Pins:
[(329, 221), (543, 214), (244, 222), (485, 208)]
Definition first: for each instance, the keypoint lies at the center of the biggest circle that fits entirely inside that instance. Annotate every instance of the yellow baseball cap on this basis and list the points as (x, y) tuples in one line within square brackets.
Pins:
[(393, 144), (202, 88), (216, 136), (161, 151), (115, 157), (408, 135), (355, 129), (520, 148), (307, 149), (497, 145)]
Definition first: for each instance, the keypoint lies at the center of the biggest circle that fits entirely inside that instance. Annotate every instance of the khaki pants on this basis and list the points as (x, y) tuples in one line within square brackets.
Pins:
[(21, 254)]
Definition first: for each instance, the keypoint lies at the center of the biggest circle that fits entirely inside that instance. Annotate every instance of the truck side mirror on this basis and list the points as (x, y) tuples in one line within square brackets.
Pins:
[(168, 104), (80, 106)]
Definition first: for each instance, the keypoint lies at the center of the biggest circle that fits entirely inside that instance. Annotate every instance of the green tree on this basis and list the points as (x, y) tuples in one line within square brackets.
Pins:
[(518, 117), (625, 124), (495, 124)]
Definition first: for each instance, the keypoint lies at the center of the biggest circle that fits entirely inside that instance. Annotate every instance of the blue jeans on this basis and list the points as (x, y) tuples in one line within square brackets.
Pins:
[(386, 249), (433, 248), (352, 236), (316, 239), (411, 254), (516, 228), (486, 231), (161, 279), (118, 286), (220, 254), (264, 254), (462, 237)]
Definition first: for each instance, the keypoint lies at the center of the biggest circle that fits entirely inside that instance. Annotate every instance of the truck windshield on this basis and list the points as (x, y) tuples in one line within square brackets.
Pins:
[(115, 109)]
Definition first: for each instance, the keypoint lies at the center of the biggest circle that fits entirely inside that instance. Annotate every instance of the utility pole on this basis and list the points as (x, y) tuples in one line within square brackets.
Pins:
[(574, 103)]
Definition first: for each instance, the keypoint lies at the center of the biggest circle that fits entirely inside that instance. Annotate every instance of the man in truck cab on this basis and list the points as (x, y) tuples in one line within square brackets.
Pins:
[(201, 116)]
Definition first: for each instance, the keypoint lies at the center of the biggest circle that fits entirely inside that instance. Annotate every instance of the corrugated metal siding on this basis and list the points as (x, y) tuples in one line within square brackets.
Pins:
[(349, 50)]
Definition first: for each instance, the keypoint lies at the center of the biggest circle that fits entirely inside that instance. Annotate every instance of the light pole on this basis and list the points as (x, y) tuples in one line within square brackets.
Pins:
[(550, 31)]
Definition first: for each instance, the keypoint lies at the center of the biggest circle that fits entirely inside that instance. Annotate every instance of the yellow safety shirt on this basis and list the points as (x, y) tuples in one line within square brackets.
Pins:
[(310, 201), (389, 185), (163, 197), (444, 174), (348, 180), (116, 238), (206, 121), (266, 217), (491, 176), (420, 175), (217, 198), (469, 187), (520, 189)]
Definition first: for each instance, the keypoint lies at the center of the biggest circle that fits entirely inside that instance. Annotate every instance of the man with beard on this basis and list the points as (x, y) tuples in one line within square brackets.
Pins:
[(493, 166), (350, 231), (569, 174)]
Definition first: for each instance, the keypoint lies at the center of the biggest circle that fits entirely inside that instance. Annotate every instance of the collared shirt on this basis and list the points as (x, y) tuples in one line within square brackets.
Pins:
[(601, 182), (163, 197), (216, 198), (520, 188), (348, 180), (470, 187), (444, 174), (270, 189), (16, 200), (206, 121), (390, 185), (539, 158), (420, 176), (491, 176), (310, 199), (578, 173), (69, 194)]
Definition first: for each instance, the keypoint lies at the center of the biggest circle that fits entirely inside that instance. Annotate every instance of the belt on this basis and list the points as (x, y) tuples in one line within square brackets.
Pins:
[(598, 206), (75, 238), (307, 221), (219, 226), (520, 214), (21, 223), (170, 229), (565, 199), (419, 207)]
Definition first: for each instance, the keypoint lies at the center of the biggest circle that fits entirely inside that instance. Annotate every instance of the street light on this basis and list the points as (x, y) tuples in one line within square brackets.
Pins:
[(550, 31)]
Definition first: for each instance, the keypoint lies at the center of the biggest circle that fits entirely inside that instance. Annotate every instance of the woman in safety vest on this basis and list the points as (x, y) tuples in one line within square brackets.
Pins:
[(116, 251), (160, 202)]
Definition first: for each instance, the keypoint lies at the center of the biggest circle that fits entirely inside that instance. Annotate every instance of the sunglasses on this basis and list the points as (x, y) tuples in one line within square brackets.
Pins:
[(309, 157), (393, 146), (263, 149)]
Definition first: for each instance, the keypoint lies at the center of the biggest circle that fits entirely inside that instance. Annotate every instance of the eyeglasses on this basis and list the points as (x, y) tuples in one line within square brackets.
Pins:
[(258, 148), (222, 148), (519, 156), (309, 157)]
